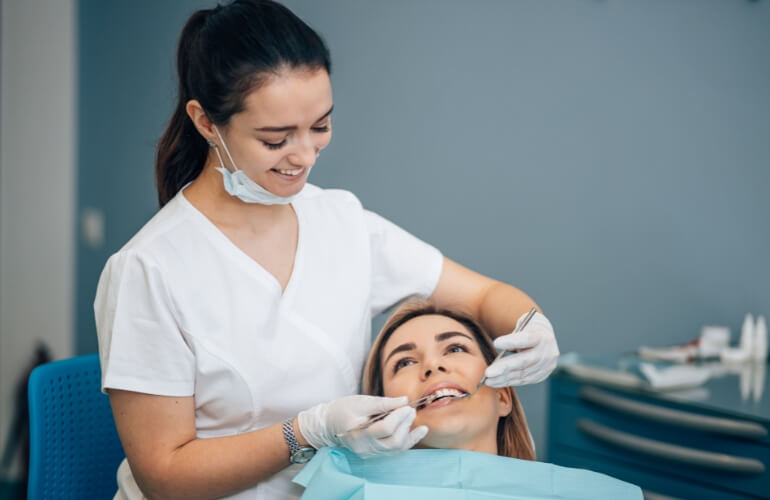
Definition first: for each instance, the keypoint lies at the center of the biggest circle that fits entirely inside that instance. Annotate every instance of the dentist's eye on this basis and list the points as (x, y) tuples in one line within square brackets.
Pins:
[(274, 145)]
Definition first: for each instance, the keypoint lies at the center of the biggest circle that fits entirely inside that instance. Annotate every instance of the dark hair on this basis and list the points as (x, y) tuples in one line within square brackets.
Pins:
[(225, 53), (513, 437)]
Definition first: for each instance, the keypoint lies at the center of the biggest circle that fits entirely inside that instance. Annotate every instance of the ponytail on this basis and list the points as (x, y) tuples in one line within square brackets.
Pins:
[(181, 155), (182, 151)]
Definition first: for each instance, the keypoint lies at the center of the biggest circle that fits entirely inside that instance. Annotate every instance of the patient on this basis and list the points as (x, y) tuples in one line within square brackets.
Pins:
[(423, 350), (477, 447)]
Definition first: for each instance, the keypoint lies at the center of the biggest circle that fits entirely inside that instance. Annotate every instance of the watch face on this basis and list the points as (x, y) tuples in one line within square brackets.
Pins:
[(303, 455)]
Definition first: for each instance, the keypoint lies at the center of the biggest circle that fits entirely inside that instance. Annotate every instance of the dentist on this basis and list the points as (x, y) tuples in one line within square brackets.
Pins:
[(234, 325)]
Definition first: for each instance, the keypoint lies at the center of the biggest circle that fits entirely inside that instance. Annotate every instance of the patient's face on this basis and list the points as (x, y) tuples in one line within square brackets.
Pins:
[(436, 353)]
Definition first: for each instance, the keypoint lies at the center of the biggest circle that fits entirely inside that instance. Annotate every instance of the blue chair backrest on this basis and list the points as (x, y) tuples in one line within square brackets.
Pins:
[(74, 446)]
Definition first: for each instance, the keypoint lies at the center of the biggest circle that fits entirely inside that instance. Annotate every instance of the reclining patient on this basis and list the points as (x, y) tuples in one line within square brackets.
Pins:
[(476, 447), (424, 351)]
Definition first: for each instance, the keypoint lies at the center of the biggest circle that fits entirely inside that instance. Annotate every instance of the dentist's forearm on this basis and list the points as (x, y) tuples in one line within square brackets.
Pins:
[(496, 305), (501, 306), (167, 460)]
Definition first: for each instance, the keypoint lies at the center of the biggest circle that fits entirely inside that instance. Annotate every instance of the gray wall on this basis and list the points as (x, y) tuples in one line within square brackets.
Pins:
[(611, 158), (37, 192)]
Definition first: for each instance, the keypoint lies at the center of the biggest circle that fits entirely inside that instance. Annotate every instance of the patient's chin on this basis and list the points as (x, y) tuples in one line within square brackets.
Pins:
[(461, 431), (442, 423), (446, 432)]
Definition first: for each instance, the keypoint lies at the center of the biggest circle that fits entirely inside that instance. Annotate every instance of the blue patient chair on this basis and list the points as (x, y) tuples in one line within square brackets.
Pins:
[(74, 446)]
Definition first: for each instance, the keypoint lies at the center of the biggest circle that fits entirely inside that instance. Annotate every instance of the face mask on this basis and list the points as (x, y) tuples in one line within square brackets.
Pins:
[(240, 185)]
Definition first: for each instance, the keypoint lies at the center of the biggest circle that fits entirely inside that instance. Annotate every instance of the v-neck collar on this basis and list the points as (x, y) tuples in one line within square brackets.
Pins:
[(233, 250)]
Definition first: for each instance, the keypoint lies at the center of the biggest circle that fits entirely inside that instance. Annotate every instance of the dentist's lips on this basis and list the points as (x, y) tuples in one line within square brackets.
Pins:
[(442, 392), (298, 174)]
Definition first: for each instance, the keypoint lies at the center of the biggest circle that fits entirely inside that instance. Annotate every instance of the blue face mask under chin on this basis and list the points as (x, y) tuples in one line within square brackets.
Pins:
[(240, 185)]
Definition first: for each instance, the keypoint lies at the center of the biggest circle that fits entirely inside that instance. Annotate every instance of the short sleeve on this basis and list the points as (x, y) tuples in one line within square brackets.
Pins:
[(141, 345), (402, 264)]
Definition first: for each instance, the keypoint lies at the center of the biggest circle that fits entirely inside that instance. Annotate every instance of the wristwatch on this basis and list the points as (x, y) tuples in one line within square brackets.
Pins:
[(297, 454)]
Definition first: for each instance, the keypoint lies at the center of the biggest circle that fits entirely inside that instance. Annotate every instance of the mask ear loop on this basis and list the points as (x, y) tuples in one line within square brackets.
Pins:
[(227, 151), (213, 146)]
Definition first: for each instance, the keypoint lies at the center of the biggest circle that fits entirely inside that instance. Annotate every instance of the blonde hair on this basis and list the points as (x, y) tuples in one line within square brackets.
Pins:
[(513, 437)]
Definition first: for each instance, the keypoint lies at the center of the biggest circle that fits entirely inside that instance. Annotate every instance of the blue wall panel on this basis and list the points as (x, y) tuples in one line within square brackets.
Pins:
[(611, 158)]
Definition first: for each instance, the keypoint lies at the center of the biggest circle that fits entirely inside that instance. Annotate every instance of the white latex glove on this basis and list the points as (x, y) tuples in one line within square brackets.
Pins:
[(321, 425), (536, 357)]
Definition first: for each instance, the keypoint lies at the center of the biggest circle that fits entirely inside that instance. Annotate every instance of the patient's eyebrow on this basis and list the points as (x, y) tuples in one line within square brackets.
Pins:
[(439, 338), (403, 347), (448, 335)]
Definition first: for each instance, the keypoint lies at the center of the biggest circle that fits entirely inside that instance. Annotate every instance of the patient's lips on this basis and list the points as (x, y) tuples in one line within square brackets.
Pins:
[(442, 393)]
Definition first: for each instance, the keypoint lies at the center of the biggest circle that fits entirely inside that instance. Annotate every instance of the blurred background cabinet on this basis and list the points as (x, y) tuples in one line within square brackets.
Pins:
[(709, 442)]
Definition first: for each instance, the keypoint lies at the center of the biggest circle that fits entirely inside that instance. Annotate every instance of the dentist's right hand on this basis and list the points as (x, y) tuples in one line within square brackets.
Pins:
[(327, 424)]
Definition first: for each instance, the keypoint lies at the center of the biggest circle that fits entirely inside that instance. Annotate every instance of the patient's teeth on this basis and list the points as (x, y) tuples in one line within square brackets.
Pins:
[(446, 392)]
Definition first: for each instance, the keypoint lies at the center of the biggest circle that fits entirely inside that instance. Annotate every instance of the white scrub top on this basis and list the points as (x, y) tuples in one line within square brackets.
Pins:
[(182, 311)]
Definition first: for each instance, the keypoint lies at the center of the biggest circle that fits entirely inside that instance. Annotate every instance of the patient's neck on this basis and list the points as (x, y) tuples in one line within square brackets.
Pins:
[(486, 443)]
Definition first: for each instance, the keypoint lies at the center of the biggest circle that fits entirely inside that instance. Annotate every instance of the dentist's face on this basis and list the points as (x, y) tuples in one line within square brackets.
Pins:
[(435, 353), (284, 125)]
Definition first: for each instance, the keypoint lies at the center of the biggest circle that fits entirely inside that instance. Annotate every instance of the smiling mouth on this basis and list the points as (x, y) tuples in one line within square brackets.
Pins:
[(446, 393), (292, 173)]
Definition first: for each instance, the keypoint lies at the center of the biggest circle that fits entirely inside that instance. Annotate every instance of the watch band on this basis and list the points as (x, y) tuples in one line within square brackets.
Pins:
[(291, 439), (297, 454)]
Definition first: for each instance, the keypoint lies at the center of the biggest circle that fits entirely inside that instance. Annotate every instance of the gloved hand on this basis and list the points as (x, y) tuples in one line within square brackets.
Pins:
[(536, 357), (327, 424)]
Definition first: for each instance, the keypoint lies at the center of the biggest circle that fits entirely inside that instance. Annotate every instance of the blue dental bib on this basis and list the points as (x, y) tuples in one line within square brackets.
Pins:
[(337, 473)]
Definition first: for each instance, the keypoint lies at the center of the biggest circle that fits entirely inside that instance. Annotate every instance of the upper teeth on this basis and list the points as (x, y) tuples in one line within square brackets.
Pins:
[(290, 172), (446, 392)]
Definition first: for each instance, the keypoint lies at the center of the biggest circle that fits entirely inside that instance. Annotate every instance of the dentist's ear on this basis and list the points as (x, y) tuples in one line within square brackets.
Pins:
[(504, 401), (201, 120)]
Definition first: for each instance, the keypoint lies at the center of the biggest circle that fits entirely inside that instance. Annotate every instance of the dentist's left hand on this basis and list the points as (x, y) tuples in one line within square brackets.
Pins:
[(535, 357), (327, 424)]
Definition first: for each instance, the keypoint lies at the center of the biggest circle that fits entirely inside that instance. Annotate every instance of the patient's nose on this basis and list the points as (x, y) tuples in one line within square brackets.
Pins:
[(434, 369)]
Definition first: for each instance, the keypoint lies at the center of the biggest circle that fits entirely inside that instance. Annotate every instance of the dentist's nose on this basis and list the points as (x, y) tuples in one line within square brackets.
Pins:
[(305, 154)]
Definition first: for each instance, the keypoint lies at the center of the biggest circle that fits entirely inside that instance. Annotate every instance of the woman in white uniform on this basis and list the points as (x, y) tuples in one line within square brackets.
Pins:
[(234, 325)]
